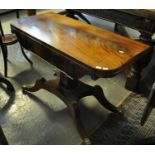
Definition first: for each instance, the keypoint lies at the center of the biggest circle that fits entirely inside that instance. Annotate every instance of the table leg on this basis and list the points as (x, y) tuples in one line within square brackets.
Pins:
[(71, 91), (31, 12), (73, 14), (98, 93), (17, 13), (134, 77)]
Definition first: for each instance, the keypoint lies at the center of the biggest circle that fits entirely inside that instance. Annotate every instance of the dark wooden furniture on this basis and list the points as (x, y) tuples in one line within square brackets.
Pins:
[(150, 105), (3, 140), (5, 40), (3, 80), (31, 12), (7, 11), (141, 20), (76, 49)]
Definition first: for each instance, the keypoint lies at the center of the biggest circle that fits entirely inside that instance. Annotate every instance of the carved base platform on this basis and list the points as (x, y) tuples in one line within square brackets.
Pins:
[(71, 91)]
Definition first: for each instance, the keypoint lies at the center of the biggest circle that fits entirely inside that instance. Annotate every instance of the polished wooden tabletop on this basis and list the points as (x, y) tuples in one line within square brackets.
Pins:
[(94, 47)]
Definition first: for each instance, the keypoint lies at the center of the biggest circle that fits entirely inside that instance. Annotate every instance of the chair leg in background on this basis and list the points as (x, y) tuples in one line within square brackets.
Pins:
[(7, 83), (17, 13), (5, 56), (24, 54)]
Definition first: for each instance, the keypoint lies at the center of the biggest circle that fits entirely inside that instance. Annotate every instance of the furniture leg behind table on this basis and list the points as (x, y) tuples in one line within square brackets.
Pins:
[(31, 12), (3, 139), (74, 15), (134, 77), (6, 40)]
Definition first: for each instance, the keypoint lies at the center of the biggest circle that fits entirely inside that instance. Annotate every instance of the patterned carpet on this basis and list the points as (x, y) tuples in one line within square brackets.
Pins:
[(124, 130)]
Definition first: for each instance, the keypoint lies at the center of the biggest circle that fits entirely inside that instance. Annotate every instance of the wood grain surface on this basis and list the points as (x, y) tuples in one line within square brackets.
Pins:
[(94, 47)]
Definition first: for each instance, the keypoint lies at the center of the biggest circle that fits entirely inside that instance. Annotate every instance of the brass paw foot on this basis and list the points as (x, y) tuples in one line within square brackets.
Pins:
[(86, 141)]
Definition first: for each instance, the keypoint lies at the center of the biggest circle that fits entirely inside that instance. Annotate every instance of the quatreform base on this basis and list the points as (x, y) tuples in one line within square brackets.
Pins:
[(71, 91)]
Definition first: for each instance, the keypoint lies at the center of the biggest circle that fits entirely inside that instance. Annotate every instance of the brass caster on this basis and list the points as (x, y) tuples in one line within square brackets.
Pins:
[(86, 141), (120, 112)]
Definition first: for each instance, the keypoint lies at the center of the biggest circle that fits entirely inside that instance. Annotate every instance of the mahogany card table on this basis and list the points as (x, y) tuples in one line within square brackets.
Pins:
[(76, 49)]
